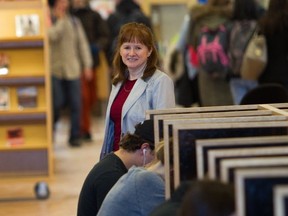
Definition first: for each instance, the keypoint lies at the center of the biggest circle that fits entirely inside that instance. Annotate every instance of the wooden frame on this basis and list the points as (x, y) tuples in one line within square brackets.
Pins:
[(215, 157), (280, 195), (162, 116), (265, 128), (204, 145), (228, 166), (213, 111), (251, 183)]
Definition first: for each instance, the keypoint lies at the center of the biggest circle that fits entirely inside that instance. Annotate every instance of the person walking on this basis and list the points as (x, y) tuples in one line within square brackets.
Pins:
[(69, 57), (97, 33)]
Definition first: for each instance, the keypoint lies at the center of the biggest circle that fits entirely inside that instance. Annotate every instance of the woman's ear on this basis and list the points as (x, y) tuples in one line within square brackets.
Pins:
[(149, 53)]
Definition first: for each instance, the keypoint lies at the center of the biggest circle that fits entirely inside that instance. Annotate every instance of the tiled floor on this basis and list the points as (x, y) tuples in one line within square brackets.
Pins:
[(71, 168)]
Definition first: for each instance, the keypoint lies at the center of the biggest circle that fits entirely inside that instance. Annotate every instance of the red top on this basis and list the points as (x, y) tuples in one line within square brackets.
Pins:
[(116, 110)]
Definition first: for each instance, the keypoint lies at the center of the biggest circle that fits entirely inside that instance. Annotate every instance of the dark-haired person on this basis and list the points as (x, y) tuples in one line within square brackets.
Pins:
[(208, 198), (139, 191), (274, 25), (97, 33), (135, 150), (138, 85), (69, 57), (125, 11)]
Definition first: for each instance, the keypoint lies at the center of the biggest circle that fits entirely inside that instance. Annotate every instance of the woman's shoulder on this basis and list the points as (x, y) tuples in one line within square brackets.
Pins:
[(159, 75)]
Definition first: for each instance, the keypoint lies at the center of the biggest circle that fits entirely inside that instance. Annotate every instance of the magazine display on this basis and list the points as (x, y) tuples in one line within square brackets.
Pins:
[(27, 25)]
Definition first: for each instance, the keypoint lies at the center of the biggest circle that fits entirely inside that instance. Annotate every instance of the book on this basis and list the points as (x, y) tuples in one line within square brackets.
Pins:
[(15, 136), (4, 98), (4, 64), (27, 97), (27, 25)]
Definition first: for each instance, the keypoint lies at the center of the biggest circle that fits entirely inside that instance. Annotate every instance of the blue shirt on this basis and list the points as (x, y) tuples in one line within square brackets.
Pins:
[(137, 192)]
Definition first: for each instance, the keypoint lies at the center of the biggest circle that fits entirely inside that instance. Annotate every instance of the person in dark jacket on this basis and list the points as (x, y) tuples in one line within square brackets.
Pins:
[(135, 150), (274, 25), (125, 11), (97, 33)]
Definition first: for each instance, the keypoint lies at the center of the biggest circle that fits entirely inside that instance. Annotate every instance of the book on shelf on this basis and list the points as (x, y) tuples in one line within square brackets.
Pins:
[(4, 98), (15, 136), (27, 97), (4, 64), (27, 25)]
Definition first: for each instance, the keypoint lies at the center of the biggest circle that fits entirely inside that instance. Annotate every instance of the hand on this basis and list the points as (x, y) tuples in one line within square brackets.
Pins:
[(48, 19), (88, 74)]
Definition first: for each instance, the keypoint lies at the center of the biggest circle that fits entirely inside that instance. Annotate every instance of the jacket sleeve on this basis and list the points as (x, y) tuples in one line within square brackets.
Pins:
[(163, 92), (84, 50)]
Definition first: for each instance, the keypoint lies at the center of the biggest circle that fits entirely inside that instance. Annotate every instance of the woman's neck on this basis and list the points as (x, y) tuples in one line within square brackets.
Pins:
[(136, 74)]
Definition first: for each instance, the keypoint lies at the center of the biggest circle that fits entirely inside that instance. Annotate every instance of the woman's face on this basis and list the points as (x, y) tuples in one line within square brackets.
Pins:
[(134, 55)]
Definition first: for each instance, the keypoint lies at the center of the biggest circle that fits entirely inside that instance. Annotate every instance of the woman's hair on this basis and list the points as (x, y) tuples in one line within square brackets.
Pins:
[(275, 18), (133, 142), (139, 33), (245, 10), (208, 198)]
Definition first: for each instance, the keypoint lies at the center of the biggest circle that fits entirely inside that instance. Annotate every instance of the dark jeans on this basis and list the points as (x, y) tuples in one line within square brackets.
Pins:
[(67, 92)]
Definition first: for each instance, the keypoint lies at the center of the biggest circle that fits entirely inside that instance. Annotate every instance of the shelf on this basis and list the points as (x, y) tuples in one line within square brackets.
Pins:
[(21, 42), (27, 4), (23, 147), (17, 81), (22, 117)]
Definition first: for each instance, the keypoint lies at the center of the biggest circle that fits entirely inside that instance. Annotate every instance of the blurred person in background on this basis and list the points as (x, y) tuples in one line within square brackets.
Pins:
[(274, 25), (69, 57), (213, 88), (125, 11), (97, 33)]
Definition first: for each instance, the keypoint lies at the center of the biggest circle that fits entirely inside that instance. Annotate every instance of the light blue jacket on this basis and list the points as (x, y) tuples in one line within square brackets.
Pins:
[(157, 92), (136, 193)]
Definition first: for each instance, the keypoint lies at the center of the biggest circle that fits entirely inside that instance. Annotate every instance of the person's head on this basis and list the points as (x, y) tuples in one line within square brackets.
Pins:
[(59, 4), (135, 50), (78, 4), (245, 10), (208, 198), (275, 18), (140, 145)]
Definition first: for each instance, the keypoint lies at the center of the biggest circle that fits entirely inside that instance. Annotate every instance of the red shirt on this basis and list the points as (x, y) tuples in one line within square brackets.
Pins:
[(116, 110)]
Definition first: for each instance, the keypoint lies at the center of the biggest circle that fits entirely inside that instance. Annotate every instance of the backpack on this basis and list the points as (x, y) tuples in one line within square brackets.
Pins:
[(212, 50), (241, 33)]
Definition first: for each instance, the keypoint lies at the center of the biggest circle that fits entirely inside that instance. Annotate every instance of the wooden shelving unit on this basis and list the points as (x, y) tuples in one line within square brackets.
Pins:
[(28, 67)]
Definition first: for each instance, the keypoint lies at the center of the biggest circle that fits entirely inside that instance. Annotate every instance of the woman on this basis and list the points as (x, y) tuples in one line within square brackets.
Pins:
[(274, 25), (138, 85)]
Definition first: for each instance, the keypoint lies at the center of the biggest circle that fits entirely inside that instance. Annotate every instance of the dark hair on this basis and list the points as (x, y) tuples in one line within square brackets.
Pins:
[(245, 10), (134, 32), (275, 18), (218, 2), (133, 142), (208, 198)]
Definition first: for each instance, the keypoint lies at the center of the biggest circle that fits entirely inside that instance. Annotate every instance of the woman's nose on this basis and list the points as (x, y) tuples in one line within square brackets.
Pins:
[(131, 52)]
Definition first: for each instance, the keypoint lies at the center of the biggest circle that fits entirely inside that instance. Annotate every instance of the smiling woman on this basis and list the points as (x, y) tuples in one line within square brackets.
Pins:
[(138, 85)]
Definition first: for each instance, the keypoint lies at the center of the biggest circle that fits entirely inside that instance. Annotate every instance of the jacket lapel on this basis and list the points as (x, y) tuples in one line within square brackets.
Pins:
[(134, 95)]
